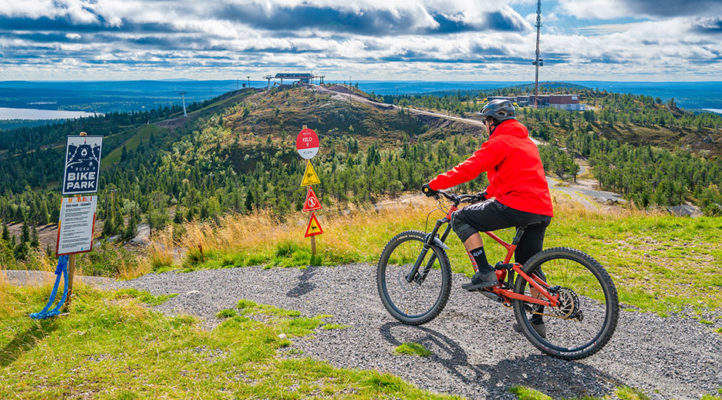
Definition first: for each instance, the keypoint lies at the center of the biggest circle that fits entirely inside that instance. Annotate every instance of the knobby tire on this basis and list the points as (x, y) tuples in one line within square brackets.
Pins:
[(611, 303), (444, 268)]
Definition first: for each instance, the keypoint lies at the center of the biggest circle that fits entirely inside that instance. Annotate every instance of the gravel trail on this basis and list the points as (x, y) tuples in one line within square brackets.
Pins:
[(475, 351)]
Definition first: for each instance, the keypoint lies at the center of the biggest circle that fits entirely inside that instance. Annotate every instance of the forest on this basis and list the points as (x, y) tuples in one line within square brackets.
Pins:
[(239, 156)]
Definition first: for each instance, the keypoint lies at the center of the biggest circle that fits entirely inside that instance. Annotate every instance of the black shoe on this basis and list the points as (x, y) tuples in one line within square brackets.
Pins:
[(481, 280), (537, 324)]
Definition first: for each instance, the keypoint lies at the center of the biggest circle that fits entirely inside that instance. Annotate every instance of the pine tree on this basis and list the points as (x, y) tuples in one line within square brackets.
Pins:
[(132, 226), (249, 201), (26, 234), (6, 232), (34, 240), (108, 227)]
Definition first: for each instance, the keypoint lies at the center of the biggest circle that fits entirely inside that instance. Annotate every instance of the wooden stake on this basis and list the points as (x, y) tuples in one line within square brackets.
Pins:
[(71, 275)]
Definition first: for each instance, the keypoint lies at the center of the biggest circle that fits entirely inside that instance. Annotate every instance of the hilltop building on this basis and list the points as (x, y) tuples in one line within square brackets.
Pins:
[(568, 102), (300, 77)]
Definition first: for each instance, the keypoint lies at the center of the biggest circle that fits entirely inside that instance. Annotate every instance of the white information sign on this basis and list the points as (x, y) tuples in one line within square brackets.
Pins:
[(76, 225)]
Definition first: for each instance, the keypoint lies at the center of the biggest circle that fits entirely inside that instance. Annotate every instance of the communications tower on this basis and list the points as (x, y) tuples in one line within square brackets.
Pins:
[(538, 62)]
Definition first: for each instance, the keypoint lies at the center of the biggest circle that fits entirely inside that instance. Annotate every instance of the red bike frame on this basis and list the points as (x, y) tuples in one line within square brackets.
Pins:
[(534, 281)]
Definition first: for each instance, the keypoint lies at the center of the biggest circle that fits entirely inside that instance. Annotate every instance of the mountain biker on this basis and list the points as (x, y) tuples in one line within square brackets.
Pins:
[(517, 195)]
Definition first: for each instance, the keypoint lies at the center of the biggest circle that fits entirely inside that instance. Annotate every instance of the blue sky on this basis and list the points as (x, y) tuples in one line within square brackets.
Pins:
[(634, 40)]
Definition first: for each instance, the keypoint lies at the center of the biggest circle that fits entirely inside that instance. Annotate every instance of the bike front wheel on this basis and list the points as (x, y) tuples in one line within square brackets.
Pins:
[(586, 316), (421, 299)]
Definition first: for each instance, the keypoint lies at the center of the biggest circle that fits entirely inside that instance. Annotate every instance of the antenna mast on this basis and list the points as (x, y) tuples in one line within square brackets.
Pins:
[(537, 61), (183, 95)]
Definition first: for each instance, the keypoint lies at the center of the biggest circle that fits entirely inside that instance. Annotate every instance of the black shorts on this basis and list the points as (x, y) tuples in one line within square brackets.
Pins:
[(490, 215)]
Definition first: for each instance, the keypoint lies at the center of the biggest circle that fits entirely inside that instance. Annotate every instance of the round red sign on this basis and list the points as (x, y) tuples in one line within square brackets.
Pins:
[(307, 143)]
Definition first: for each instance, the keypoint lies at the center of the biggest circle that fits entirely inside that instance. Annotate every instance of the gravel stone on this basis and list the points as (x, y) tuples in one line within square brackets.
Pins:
[(476, 353)]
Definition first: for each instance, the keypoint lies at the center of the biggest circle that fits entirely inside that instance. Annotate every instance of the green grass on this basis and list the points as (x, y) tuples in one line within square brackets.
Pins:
[(329, 327), (525, 393), (285, 254), (622, 393), (142, 134), (627, 393), (143, 296), (412, 349), (227, 313), (111, 347)]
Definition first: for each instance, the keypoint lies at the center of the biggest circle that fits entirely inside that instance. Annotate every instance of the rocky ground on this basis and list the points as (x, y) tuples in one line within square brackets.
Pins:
[(475, 351)]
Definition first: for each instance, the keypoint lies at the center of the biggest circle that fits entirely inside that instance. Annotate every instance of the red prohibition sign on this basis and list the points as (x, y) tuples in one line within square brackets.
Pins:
[(311, 202)]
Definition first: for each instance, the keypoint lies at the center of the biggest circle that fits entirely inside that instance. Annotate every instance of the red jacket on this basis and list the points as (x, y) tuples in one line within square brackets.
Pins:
[(514, 168)]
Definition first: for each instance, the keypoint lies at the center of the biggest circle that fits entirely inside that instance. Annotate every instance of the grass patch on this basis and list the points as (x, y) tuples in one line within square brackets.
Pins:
[(227, 313), (525, 393), (121, 349), (622, 393), (329, 327), (143, 296), (250, 307), (628, 393), (412, 349)]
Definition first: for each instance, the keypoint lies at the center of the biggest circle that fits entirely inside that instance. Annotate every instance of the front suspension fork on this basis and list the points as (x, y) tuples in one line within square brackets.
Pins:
[(419, 278)]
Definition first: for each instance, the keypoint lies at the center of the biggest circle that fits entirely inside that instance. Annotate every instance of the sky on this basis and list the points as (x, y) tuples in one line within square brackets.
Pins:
[(453, 40)]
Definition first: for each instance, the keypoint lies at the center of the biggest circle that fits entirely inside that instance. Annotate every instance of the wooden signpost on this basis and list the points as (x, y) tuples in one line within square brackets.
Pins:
[(77, 215), (307, 145)]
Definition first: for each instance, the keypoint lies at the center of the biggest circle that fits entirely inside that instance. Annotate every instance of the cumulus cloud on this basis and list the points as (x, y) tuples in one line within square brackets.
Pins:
[(458, 39), (610, 9)]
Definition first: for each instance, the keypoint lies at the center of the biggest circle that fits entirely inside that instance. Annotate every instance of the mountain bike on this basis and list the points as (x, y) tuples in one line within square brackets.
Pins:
[(569, 289)]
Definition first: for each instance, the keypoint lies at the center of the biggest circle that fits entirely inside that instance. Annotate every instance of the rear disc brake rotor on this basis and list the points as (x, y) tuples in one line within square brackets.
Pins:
[(568, 305)]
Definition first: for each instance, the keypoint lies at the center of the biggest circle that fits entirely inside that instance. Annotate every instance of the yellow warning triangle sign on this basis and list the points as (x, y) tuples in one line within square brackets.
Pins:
[(314, 228), (310, 177)]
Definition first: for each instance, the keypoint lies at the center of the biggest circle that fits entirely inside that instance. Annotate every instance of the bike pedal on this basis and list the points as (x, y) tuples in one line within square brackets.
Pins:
[(492, 296), (501, 265)]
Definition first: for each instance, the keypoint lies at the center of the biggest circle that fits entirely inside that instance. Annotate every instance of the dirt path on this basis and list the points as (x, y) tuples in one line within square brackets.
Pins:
[(386, 106), (475, 352), (38, 278)]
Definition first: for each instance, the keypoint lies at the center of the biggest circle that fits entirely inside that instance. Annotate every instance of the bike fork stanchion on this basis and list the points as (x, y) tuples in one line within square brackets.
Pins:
[(61, 270)]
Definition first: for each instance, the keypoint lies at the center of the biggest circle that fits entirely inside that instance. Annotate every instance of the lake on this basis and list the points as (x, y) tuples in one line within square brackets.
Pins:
[(37, 114)]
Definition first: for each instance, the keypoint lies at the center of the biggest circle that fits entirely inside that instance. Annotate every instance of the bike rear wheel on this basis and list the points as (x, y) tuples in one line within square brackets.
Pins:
[(421, 300), (586, 316)]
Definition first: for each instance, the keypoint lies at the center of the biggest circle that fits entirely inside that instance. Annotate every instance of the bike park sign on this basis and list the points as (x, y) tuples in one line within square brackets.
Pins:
[(307, 143), (82, 164)]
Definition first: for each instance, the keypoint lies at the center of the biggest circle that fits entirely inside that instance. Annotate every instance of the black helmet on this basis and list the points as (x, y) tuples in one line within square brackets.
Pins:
[(499, 109)]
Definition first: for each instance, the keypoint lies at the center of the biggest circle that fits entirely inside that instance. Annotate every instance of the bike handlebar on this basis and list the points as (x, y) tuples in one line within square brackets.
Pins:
[(463, 198)]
